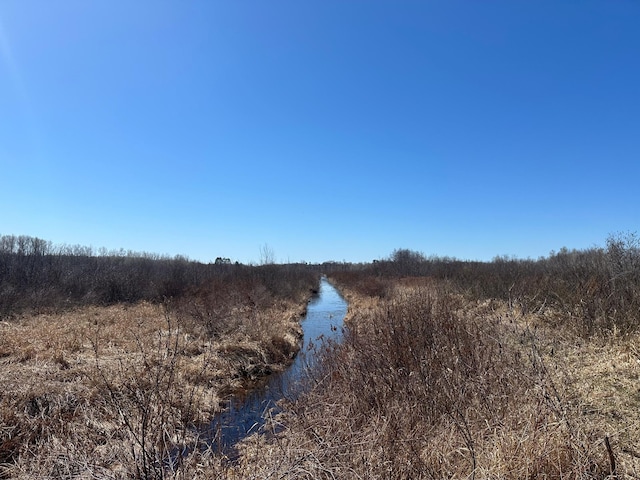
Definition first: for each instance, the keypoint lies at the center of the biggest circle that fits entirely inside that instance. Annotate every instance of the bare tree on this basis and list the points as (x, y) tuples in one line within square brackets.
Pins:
[(267, 255)]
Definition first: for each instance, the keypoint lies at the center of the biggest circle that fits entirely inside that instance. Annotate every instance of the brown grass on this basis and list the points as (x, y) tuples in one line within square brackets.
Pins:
[(601, 385), (430, 385), (427, 384), (110, 392)]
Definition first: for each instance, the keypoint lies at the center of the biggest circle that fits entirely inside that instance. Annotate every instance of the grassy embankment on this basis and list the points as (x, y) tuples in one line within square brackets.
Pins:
[(440, 378), (111, 390), (114, 390), (506, 369)]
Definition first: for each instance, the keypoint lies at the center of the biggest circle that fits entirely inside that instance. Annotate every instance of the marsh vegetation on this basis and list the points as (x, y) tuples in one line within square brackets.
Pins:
[(448, 369)]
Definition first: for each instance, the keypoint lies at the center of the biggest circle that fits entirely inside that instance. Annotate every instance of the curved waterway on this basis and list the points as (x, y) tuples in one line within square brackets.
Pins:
[(323, 321)]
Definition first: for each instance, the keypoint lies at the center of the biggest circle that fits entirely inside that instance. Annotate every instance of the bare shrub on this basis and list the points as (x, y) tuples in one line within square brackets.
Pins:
[(149, 403), (422, 388), (363, 283), (123, 391), (37, 276)]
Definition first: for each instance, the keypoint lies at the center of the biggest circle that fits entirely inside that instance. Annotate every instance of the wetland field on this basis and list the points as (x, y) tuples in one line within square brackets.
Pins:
[(112, 365)]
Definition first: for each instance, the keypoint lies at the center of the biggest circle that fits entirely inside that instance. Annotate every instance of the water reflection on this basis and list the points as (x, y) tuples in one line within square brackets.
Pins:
[(323, 321)]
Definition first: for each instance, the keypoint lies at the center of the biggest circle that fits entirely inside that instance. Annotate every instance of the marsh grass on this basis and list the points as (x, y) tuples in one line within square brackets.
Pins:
[(508, 369), (122, 391), (429, 385)]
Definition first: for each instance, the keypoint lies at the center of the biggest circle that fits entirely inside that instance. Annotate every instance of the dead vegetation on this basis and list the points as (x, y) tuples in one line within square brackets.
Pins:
[(432, 384), (509, 369), (124, 391)]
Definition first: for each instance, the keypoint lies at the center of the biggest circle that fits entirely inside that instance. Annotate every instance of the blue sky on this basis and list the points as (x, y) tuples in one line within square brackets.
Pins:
[(327, 130)]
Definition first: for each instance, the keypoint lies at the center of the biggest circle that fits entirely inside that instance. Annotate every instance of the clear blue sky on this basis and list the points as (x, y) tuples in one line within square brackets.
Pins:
[(327, 130)]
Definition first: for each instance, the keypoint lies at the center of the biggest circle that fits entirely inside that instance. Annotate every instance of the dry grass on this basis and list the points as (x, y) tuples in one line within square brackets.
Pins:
[(430, 385), (426, 385), (109, 392), (596, 379), (600, 378)]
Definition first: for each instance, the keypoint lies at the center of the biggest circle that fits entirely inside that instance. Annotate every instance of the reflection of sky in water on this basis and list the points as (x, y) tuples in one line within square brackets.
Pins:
[(325, 314)]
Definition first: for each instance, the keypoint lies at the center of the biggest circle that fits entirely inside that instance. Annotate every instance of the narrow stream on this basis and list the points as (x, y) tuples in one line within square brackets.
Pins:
[(324, 320)]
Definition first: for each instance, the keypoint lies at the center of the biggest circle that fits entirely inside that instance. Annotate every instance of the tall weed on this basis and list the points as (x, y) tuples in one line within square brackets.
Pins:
[(424, 389)]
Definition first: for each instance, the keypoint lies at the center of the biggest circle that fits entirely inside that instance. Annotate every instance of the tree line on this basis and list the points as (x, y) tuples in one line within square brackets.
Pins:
[(598, 288), (38, 275)]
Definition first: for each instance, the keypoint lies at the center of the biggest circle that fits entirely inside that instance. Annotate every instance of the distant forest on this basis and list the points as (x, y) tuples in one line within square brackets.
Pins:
[(597, 288), (599, 285), (37, 275)]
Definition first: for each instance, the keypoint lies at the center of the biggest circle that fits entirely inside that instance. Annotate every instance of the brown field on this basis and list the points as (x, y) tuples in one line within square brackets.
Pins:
[(431, 385), (507, 369), (106, 392), (427, 385)]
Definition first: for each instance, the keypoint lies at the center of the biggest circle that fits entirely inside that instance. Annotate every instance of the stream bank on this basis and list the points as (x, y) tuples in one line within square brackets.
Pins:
[(244, 416)]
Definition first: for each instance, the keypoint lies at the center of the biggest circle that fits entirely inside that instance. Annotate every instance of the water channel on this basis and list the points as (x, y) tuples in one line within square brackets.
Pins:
[(323, 321)]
